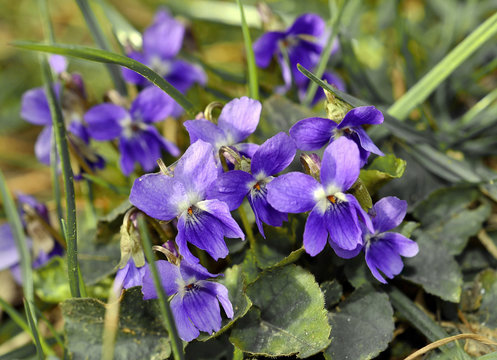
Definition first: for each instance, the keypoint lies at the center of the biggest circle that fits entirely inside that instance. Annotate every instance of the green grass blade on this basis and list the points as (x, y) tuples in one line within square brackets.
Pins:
[(478, 108), (103, 56), (101, 41), (123, 30), (325, 55), (67, 176), (437, 162), (54, 332), (34, 329), (418, 318), (249, 53), (165, 309), (20, 239), (428, 83)]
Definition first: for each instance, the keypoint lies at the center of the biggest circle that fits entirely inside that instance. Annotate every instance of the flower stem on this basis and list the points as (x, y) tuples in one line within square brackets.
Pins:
[(246, 225), (165, 309)]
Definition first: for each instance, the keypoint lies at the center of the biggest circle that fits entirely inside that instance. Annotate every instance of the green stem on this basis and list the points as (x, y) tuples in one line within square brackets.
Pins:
[(424, 87), (20, 239), (246, 225), (325, 56), (249, 53), (34, 330), (101, 41), (67, 176), (165, 309), (54, 332)]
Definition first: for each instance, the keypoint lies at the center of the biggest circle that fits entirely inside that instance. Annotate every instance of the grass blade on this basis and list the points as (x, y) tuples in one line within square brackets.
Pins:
[(20, 238), (416, 317), (165, 309), (428, 83), (436, 161), (101, 41), (123, 30), (103, 56), (67, 176), (249, 53), (34, 329)]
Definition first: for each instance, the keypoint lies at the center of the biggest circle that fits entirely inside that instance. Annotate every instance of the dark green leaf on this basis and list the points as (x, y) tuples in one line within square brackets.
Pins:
[(280, 114), (332, 291), (288, 316), (141, 334), (363, 327), (434, 268), (450, 216), (99, 254)]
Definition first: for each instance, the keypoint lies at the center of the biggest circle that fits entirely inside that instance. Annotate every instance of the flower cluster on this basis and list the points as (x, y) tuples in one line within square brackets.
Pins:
[(200, 195)]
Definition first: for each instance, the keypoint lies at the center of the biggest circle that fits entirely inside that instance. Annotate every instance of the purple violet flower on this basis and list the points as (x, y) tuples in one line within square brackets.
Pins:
[(383, 249), (139, 140), (42, 247), (238, 119), (233, 186), (58, 63), (162, 42), (195, 304), (129, 276), (313, 133), (296, 40), (304, 41), (35, 109), (333, 212), (202, 222)]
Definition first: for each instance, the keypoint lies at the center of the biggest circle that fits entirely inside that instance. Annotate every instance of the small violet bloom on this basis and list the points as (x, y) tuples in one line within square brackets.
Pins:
[(313, 133), (333, 212), (195, 304), (202, 222), (139, 140), (238, 119), (42, 246), (233, 186), (304, 41), (129, 276), (162, 42), (383, 249), (35, 109)]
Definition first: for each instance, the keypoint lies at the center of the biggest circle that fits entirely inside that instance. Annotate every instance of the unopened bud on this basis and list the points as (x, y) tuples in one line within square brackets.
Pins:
[(311, 164)]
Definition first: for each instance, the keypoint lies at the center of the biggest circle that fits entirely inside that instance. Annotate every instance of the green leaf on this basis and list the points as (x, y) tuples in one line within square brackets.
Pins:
[(486, 314), (50, 281), (276, 249), (363, 328), (99, 254), (280, 114), (332, 291), (450, 216), (381, 171), (234, 281), (434, 268), (141, 334), (288, 316), (103, 56)]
